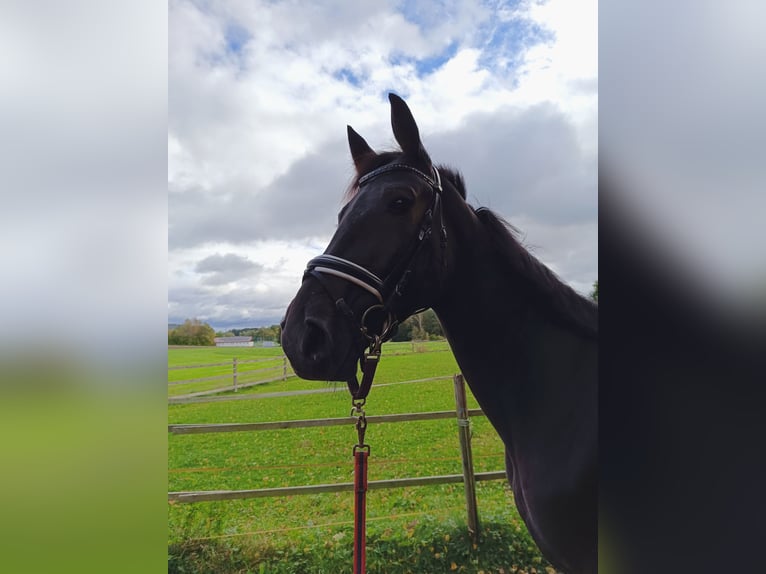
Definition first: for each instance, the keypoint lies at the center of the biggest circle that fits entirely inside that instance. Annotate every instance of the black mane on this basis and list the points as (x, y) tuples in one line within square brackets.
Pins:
[(454, 177), (565, 303)]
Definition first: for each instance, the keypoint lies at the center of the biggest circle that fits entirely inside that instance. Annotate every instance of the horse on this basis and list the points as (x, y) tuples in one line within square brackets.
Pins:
[(526, 343)]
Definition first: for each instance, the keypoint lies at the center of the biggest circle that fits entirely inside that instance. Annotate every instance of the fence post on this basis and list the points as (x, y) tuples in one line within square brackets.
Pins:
[(234, 373), (284, 368), (464, 433)]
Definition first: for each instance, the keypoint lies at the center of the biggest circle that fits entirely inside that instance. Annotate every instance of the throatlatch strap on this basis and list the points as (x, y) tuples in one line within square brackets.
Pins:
[(360, 510)]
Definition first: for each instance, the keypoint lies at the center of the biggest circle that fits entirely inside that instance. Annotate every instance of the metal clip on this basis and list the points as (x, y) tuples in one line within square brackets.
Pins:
[(375, 346), (361, 427), (356, 407)]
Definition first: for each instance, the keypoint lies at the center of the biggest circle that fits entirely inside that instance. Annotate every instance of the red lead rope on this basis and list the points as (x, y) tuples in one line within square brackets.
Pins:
[(360, 510), (361, 452)]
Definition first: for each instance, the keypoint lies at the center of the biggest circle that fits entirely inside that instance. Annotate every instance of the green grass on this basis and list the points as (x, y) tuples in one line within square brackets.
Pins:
[(417, 529), (195, 355), (269, 365), (190, 355)]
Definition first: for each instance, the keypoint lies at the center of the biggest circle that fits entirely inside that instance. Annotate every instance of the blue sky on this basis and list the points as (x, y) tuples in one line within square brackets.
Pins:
[(236, 37), (260, 94)]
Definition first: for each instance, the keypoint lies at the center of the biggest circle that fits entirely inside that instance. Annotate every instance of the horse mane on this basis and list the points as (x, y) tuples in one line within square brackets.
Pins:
[(454, 177), (564, 303)]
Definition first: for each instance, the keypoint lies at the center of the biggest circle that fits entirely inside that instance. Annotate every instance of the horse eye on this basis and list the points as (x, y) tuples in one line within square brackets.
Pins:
[(400, 204)]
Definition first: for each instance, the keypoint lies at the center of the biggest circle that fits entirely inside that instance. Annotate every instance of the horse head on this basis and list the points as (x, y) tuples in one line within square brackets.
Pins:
[(384, 263)]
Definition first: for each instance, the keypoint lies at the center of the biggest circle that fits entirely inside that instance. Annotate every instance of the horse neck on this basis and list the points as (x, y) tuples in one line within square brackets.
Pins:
[(513, 357)]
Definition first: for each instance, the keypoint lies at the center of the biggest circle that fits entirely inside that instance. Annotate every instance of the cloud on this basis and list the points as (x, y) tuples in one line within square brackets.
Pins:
[(301, 203), (227, 289), (523, 162), (257, 152), (226, 308), (223, 263), (223, 269), (516, 161)]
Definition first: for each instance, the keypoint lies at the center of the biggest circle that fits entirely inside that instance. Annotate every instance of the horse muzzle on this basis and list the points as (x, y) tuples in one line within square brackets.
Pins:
[(316, 347)]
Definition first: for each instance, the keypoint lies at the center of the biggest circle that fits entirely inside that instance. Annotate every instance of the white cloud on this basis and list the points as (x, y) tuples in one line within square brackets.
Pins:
[(260, 94)]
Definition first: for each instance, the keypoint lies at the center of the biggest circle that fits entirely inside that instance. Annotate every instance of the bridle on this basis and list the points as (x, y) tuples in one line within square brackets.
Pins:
[(387, 291)]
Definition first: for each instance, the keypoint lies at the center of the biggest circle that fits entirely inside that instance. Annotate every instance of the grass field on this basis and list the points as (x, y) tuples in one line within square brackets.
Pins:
[(418, 529), (269, 365)]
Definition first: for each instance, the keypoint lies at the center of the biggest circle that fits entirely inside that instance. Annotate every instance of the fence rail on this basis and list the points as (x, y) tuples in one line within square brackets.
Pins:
[(240, 379), (239, 373), (469, 478), (199, 366), (277, 425), (189, 397), (200, 379), (211, 495), (256, 396)]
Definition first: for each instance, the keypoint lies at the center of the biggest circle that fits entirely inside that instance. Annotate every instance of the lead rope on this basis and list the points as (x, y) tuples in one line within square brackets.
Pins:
[(369, 364), (361, 453)]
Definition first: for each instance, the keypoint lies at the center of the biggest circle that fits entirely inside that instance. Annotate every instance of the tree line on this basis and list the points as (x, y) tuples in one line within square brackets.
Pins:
[(421, 327)]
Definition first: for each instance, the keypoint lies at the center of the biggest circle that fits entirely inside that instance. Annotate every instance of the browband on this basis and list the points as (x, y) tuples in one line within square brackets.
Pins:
[(435, 182)]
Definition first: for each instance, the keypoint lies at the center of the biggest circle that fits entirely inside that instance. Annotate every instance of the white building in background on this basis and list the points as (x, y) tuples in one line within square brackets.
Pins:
[(233, 341)]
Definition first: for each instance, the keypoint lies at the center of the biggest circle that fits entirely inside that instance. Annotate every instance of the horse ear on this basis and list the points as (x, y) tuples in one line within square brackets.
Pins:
[(405, 129), (359, 148)]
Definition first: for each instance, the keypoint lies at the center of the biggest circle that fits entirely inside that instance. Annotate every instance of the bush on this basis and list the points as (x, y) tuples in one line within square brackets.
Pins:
[(192, 332)]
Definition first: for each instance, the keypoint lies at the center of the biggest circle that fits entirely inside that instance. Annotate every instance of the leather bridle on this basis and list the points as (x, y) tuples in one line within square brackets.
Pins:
[(388, 291)]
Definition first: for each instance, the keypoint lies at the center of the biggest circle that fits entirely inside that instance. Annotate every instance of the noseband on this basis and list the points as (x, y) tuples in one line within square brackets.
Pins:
[(386, 291)]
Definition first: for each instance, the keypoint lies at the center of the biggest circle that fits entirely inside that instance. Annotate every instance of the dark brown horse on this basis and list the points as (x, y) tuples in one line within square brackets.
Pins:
[(526, 343)]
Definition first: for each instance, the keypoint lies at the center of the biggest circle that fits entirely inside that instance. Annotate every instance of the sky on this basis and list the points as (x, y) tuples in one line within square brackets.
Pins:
[(259, 96)]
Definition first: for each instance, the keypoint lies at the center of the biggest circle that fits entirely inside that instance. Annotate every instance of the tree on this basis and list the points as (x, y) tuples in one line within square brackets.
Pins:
[(431, 324), (418, 332), (403, 332), (594, 294), (420, 327), (192, 332)]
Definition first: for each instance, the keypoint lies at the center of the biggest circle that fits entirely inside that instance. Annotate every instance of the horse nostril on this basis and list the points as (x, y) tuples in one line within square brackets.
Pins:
[(316, 342)]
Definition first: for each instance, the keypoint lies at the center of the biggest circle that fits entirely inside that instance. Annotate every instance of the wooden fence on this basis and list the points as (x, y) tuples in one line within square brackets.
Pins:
[(243, 378), (468, 476), (240, 379)]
